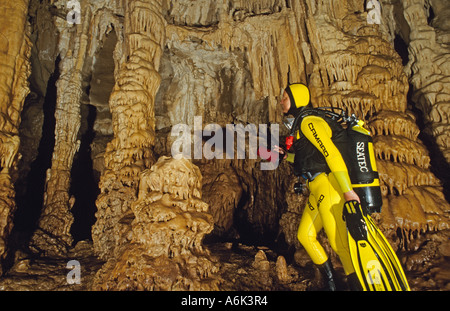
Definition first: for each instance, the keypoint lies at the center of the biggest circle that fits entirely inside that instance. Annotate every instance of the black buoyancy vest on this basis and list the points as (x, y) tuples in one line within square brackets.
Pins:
[(308, 159)]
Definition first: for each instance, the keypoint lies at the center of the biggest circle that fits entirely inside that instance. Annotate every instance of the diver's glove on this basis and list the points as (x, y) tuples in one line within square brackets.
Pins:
[(353, 216)]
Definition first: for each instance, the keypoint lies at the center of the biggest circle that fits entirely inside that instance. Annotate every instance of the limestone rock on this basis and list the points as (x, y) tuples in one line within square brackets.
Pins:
[(261, 262), (282, 270)]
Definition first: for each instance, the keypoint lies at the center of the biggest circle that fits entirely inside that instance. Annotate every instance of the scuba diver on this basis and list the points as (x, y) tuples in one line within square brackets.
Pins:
[(339, 203)]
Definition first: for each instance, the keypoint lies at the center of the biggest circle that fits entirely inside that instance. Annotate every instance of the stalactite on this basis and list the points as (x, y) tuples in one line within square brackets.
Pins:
[(269, 67), (15, 68)]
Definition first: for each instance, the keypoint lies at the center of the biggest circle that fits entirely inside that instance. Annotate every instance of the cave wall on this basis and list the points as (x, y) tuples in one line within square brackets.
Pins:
[(144, 66), (15, 69), (428, 69), (429, 65)]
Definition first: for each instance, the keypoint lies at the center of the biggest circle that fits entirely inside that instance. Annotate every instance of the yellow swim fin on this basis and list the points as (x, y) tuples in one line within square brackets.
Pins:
[(376, 264), (391, 259)]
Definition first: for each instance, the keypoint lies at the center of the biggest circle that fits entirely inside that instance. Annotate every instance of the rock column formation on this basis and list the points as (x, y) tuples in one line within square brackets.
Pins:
[(53, 235), (15, 49), (132, 107), (77, 47)]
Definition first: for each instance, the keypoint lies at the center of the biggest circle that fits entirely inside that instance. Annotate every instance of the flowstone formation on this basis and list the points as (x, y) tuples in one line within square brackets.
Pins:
[(169, 222)]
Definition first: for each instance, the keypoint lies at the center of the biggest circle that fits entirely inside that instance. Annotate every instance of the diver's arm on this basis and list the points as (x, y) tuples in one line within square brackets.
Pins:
[(319, 133), (351, 195)]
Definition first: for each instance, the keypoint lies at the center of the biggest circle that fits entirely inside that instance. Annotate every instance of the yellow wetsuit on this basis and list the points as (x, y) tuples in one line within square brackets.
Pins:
[(326, 200)]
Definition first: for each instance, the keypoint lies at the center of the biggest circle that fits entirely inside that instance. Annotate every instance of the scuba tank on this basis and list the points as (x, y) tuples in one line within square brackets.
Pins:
[(357, 152), (362, 167)]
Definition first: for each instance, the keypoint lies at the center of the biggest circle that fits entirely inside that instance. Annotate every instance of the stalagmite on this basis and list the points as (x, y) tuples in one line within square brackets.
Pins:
[(14, 71), (170, 220), (261, 263), (282, 270)]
